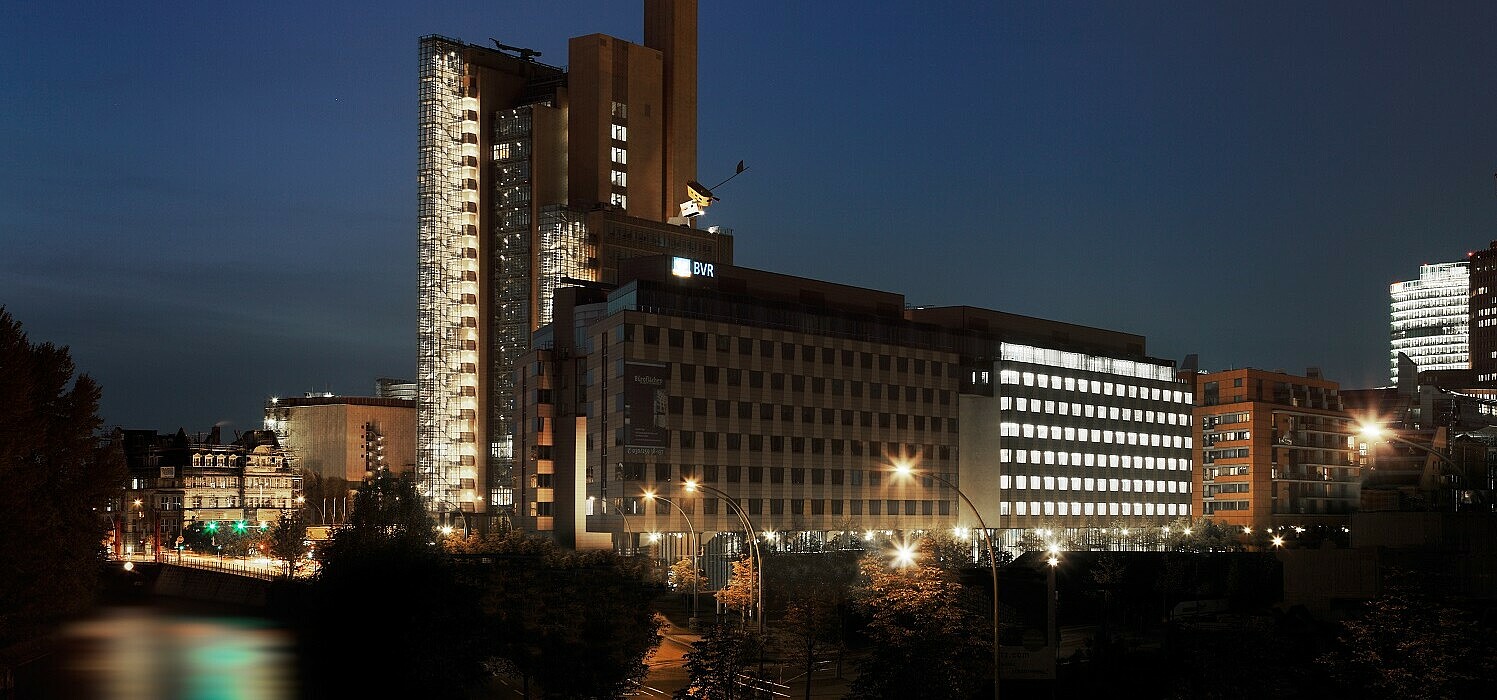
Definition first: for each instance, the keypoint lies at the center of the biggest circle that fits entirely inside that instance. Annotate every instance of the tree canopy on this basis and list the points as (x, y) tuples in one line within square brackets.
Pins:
[(56, 482)]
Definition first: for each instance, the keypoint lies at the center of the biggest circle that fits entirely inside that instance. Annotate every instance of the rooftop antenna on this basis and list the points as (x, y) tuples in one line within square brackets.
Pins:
[(524, 53), (701, 197)]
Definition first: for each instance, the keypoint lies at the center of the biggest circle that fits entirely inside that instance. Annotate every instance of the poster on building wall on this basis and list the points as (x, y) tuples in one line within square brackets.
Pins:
[(644, 414)]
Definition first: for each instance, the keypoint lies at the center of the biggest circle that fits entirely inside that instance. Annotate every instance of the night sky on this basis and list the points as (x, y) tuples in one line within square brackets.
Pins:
[(212, 203)]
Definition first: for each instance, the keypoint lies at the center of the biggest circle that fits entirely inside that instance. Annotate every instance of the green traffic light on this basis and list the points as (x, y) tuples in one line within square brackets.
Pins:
[(212, 526), (239, 526)]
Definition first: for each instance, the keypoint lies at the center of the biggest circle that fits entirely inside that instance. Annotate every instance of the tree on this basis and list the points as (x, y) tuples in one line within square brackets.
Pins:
[(1410, 644), (685, 577), (385, 585), (716, 661), (546, 608), (56, 483), (740, 593), (813, 591), (928, 638), (287, 541)]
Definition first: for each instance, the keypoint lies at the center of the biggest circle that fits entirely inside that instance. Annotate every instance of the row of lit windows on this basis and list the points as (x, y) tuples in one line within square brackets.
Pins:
[(1078, 459), (1065, 408), (1053, 508), (733, 376), (1092, 386), (1012, 352), (1120, 437), (1053, 483)]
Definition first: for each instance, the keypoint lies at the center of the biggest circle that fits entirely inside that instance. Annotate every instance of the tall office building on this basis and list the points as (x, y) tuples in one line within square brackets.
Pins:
[(1482, 307), (529, 175), (1428, 318)]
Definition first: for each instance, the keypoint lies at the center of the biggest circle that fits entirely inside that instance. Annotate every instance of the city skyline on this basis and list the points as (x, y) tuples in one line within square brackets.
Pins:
[(228, 206)]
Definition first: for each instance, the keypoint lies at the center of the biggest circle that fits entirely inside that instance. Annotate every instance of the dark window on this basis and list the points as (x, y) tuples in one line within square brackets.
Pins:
[(777, 381), (857, 390), (903, 365), (875, 391), (807, 415), (787, 413), (676, 337), (797, 506), (836, 477), (776, 506), (709, 441), (735, 378), (699, 407), (818, 385), (818, 506), (847, 358), (883, 362), (818, 476), (797, 475), (733, 474), (787, 351), (797, 444), (688, 438), (865, 360), (836, 447), (766, 348), (919, 366), (745, 409), (776, 443), (662, 472), (846, 417), (724, 343), (675, 404), (709, 375), (776, 475), (807, 353), (709, 506), (724, 408), (766, 411), (745, 346), (756, 506), (735, 441), (828, 356), (688, 372), (818, 445), (652, 335), (883, 420), (874, 506), (756, 475), (909, 392), (798, 382), (903, 421), (837, 507), (698, 340)]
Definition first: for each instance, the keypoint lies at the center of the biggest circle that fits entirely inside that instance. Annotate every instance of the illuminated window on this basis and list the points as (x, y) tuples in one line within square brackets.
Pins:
[(621, 133), (619, 178), (618, 199), (620, 155)]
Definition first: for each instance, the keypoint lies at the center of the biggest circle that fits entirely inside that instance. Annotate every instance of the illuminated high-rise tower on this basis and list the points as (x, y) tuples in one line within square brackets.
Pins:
[(529, 176), (1428, 318)]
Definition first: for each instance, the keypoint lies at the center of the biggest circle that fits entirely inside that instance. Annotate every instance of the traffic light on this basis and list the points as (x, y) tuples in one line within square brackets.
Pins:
[(264, 526), (239, 527), (212, 526)]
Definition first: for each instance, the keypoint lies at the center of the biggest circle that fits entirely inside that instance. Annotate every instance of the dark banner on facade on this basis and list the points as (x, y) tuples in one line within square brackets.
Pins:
[(644, 418)]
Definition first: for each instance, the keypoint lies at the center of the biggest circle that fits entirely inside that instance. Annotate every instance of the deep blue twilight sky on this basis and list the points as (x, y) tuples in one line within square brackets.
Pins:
[(215, 202)]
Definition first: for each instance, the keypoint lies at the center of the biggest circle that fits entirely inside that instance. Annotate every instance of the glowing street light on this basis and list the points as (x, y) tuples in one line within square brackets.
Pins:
[(1278, 541), (904, 555)]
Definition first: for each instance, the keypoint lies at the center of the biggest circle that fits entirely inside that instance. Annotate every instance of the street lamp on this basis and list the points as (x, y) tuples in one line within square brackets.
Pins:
[(1372, 432), (748, 532), (695, 553), (904, 555), (904, 469)]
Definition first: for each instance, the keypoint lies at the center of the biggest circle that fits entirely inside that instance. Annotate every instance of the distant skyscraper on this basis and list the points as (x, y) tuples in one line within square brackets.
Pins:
[(530, 176), (1482, 301), (1428, 318)]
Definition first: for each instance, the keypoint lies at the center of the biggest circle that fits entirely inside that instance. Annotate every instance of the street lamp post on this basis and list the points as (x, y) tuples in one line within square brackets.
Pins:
[(695, 553), (748, 531), (1052, 632), (904, 469)]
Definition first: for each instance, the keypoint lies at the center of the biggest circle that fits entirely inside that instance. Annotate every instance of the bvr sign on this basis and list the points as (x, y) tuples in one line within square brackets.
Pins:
[(686, 267)]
